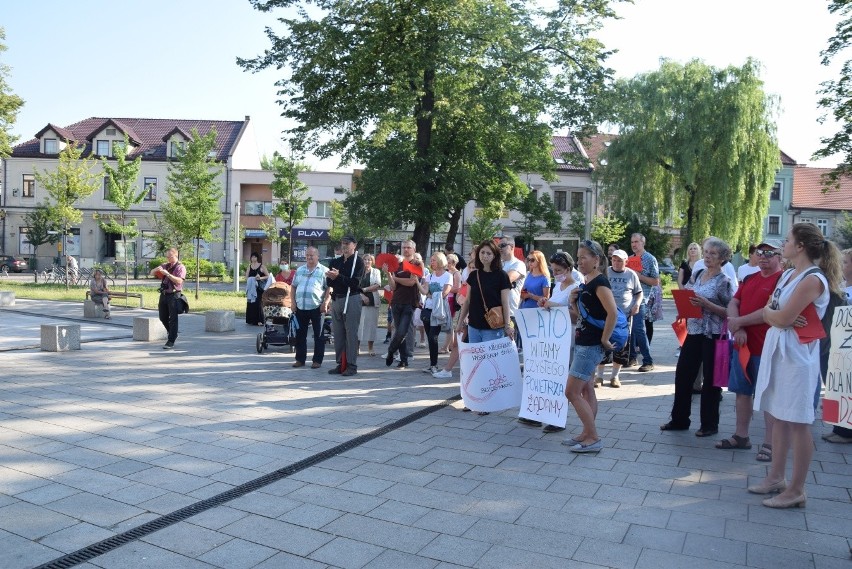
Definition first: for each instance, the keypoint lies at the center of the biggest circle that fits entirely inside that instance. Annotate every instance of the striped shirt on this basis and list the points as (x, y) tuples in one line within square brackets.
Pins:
[(310, 286)]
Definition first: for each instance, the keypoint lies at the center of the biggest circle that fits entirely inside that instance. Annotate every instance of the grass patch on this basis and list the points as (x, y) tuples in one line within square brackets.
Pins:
[(207, 299)]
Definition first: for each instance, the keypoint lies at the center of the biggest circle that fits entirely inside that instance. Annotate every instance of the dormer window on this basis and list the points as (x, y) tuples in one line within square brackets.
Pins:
[(51, 146), (175, 149), (102, 148)]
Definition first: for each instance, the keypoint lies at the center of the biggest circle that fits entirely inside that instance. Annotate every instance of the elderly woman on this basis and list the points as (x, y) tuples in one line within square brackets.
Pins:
[(436, 309), (789, 377), (713, 291), (370, 284), (100, 291)]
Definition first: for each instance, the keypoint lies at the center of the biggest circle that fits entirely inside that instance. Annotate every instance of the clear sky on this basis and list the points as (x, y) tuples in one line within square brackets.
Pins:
[(176, 59)]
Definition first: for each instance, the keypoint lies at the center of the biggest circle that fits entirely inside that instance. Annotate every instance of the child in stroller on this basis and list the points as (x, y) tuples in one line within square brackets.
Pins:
[(277, 317)]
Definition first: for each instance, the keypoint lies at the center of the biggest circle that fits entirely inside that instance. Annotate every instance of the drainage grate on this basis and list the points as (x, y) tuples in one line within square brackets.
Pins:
[(116, 541)]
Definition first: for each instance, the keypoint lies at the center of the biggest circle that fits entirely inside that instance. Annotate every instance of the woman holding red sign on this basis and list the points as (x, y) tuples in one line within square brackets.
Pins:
[(788, 381)]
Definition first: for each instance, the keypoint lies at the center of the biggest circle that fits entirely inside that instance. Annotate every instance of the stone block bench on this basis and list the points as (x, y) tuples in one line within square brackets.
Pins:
[(219, 321), (92, 309), (7, 298), (148, 329), (60, 337)]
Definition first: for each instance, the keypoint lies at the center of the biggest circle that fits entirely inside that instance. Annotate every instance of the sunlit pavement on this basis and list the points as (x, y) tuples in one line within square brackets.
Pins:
[(102, 440)]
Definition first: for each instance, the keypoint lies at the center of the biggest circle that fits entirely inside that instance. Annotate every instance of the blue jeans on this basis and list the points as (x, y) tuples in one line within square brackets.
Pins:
[(402, 318), (313, 317), (476, 336), (639, 338)]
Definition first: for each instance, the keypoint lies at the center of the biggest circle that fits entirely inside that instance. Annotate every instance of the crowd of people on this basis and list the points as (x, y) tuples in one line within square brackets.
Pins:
[(760, 304)]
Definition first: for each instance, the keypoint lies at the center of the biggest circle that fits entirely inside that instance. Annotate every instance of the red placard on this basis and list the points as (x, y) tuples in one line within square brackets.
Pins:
[(388, 259), (685, 309), (813, 330), (413, 269), (634, 263)]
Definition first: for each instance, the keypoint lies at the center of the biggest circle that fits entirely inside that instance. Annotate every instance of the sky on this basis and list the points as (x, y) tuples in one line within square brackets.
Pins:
[(177, 59)]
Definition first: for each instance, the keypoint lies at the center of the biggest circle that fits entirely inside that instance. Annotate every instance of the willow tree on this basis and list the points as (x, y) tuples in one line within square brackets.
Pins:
[(442, 100), (696, 143)]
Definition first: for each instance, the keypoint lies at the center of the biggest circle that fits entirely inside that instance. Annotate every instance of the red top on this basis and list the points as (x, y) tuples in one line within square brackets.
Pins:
[(753, 295)]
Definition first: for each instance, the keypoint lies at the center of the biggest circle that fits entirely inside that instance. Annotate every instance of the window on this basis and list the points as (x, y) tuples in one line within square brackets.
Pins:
[(775, 194), (823, 226), (576, 200), (103, 148), (774, 225), (106, 187), (560, 200), (323, 209), (150, 184), (110, 132), (805, 220), (255, 207), (339, 190), (28, 190), (50, 146), (175, 149), (117, 144)]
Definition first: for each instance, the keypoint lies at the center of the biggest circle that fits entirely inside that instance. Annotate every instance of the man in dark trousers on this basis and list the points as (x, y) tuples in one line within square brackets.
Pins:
[(405, 299), (172, 273), (343, 278)]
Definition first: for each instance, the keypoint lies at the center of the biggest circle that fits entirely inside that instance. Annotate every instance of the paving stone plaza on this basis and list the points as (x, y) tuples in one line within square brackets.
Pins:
[(212, 455)]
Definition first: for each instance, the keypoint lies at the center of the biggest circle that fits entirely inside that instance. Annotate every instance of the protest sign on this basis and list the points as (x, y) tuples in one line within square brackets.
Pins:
[(546, 337), (837, 403), (490, 375)]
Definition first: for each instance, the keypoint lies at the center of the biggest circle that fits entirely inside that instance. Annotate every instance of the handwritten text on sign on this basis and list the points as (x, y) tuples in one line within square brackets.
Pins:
[(546, 337), (490, 375), (837, 404)]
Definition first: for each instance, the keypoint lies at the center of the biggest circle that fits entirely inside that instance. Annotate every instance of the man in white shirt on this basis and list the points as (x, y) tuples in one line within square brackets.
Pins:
[(517, 272), (749, 268)]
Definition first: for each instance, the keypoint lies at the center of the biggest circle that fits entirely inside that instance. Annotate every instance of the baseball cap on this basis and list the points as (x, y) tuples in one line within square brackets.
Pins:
[(620, 253), (348, 239), (773, 243)]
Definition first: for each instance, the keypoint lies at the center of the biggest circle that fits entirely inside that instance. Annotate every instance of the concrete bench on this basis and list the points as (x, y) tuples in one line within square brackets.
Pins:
[(91, 309), (7, 298), (148, 329), (219, 321), (60, 337)]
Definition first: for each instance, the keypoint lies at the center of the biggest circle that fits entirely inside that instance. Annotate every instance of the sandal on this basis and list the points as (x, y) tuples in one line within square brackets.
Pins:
[(443, 351), (765, 453), (734, 442)]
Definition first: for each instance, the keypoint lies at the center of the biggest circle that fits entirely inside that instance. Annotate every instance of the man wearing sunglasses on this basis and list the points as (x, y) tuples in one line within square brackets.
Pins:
[(745, 321)]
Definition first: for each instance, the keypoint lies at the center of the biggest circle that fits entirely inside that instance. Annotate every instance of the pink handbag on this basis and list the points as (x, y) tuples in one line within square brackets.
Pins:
[(722, 357)]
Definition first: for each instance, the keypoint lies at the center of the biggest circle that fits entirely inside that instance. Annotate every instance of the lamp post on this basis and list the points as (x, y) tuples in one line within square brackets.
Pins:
[(237, 245), (3, 239)]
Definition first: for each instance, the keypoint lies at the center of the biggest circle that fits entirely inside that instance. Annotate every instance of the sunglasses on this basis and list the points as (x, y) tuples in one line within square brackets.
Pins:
[(530, 259), (766, 253), (503, 245)]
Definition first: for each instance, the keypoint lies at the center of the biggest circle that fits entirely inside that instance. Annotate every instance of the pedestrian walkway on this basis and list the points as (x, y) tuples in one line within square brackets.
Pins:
[(212, 455)]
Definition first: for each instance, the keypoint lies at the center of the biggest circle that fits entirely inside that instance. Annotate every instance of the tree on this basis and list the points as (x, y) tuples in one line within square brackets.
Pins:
[(121, 191), (484, 225), (837, 97), (290, 195), (697, 141), (608, 229), (538, 215), (843, 231), (10, 104), (577, 221), (192, 209), (348, 218), (442, 100), (71, 182), (41, 228), (656, 242)]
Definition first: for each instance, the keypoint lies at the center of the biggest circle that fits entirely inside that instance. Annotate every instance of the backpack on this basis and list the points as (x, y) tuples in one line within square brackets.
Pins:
[(834, 300), (620, 332)]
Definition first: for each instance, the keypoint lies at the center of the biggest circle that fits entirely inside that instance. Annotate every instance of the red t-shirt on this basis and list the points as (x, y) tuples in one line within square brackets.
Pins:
[(753, 295)]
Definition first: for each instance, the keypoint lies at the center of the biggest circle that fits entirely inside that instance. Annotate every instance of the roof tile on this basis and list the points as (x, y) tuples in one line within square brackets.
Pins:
[(808, 190)]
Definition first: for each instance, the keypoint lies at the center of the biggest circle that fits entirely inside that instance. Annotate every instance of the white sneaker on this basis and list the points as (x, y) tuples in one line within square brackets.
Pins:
[(395, 356), (443, 374), (431, 369)]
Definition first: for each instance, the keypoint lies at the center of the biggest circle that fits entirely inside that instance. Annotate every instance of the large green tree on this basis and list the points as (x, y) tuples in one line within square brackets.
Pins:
[(442, 100), (837, 96), (10, 104), (695, 141), (72, 181), (123, 193), (193, 206)]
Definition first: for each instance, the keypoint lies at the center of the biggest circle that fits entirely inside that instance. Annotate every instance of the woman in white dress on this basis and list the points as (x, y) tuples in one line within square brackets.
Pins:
[(787, 386)]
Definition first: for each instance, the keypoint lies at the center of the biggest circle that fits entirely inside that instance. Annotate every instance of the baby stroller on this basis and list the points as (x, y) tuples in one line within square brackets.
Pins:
[(279, 321)]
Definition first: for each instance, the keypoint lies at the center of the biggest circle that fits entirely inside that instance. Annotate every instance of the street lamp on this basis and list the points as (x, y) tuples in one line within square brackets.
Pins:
[(237, 245)]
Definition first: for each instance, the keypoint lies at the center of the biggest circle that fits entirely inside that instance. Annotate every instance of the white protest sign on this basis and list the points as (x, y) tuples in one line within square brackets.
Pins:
[(490, 375), (837, 403), (546, 338)]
